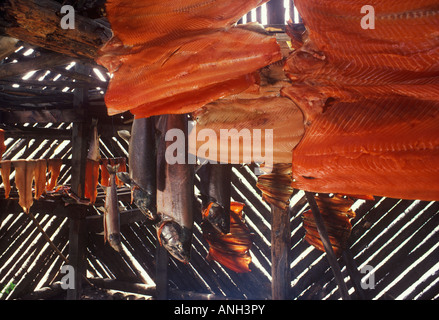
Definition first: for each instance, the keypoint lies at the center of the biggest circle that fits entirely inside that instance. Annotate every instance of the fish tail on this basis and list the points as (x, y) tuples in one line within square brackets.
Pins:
[(112, 169)]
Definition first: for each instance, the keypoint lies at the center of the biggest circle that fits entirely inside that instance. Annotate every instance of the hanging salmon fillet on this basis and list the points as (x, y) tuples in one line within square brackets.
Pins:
[(337, 215), (172, 57), (24, 176), (231, 249), (163, 79), (370, 98), (5, 171), (105, 175), (54, 168), (91, 180), (144, 21), (40, 177), (122, 167)]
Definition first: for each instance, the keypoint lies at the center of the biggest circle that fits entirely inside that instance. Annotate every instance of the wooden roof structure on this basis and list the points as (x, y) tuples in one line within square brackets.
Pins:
[(51, 89)]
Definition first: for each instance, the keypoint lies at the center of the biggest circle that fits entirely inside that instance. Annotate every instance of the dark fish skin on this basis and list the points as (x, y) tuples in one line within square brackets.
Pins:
[(175, 192), (142, 164), (111, 214), (214, 190)]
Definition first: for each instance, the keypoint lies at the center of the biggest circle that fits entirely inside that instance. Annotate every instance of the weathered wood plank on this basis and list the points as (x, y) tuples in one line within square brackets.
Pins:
[(42, 116), (280, 248), (38, 22)]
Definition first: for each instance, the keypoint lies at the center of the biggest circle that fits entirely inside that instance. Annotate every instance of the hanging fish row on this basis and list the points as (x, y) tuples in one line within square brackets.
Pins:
[(164, 192), (32, 177)]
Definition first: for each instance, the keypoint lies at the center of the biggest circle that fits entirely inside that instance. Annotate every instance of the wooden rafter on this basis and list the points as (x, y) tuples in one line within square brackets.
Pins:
[(38, 22)]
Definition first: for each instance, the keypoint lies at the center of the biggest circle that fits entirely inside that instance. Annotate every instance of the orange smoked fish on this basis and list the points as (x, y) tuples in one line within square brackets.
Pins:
[(232, 249), (370, 98), (164, 79), (143, 21), (337, 216), (5, 171), (54, 167), (172, 57), (40, 177), (24, 175)]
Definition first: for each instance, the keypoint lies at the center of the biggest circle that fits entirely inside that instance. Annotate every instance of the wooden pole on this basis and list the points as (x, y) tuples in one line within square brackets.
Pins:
[(332, 259), (354, 274), (162, 259), (276, 191), (276, 12), (280, 248), (161, 275), (77, 225)]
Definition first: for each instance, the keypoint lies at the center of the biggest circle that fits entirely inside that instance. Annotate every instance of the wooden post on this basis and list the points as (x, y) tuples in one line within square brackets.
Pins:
[(276, 190), (77, 224), (161, 275), (280, 248), (354, 274), (162, 259), (276, 12)]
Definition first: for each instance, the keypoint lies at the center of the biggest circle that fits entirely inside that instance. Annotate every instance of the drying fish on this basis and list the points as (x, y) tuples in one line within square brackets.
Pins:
[(24, 176), (92, 166), (111, 213), (268, 129), (54, 168), (385, 148), (142, 164), (276, 185), (371, 109), (163, 79), (337, 216), (105, 175), (5, 171), (232, 250), (175, 193), (40, 177), (139, 22), (215, 195), (91, 180)]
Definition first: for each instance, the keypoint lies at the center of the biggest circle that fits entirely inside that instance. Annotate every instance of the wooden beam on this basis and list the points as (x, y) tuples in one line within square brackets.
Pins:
[(139, 288), (332, 259), (38, 22), (276, 12), (42, 116), (78, 226), (95, 222), (280, 248), (44, 61)]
